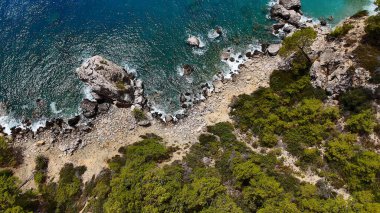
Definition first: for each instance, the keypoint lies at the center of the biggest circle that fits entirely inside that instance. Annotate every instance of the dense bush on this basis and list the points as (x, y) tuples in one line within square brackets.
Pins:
[(9, 156), (362, 123), (373, 30), (356, 100)]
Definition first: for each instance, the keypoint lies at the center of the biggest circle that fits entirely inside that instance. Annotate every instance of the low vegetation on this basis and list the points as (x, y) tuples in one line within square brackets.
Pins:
[(341, 31), (139, 114)]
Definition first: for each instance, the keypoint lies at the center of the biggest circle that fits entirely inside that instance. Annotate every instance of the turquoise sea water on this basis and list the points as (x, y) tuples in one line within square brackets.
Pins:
[(43, 41)]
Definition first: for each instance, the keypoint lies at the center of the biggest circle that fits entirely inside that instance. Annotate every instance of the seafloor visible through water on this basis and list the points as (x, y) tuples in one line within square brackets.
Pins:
[(42, 42)]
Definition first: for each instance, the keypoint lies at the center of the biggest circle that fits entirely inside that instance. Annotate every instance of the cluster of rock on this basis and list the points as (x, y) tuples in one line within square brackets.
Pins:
[(289, 15), (335, 71)]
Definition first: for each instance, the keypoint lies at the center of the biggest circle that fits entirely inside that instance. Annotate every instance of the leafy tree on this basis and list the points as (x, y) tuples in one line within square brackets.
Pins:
[(301, 40)]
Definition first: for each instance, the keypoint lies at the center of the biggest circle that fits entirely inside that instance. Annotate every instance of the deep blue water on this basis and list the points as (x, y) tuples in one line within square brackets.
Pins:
[(43, 41)]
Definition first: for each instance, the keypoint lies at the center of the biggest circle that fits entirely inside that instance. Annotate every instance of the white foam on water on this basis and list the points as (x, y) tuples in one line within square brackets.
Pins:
[(9, 122), (86, 91), (233, 66), (180, 70), (53, 108), (371, 8), (36, 125)]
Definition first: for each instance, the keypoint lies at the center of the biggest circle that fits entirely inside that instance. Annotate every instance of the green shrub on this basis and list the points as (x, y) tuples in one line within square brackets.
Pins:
[(41, 163), (7, 154), (120, 85), (39, 177), (300, 41), (223, 130), (341, 31), (362, 123), (373, 30), (268, 140), (280, 79), (139, 114), (356, 100)]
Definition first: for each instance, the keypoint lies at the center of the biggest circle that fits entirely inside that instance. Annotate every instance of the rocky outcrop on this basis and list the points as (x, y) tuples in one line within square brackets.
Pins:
[(291, 4), (335, 72), (287, 11), (280, 11), (335, 68), (109, 83), (106, 80)]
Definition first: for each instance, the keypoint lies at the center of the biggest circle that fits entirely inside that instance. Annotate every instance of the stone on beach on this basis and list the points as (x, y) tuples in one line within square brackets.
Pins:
[(273, 49)]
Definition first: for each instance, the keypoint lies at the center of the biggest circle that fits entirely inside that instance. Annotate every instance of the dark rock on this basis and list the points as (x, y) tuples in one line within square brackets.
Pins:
[(89, 108), (278, 26), (264, 47), (232, 59), (182, 98), (248, 54), (218, 30), (73, 121), (187, 69), (323, 22), (103, 108)]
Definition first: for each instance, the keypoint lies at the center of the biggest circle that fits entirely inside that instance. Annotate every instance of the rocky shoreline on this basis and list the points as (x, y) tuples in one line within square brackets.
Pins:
[(111, 84), (108, 121)]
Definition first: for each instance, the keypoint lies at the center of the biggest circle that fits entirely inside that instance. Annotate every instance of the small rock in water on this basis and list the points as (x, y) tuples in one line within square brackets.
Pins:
[(187, 69), (193, 41), (225, 56), (218, 30)]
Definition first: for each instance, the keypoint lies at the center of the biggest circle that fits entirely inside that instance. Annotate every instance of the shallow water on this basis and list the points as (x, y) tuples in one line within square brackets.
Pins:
[(43, 41)]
